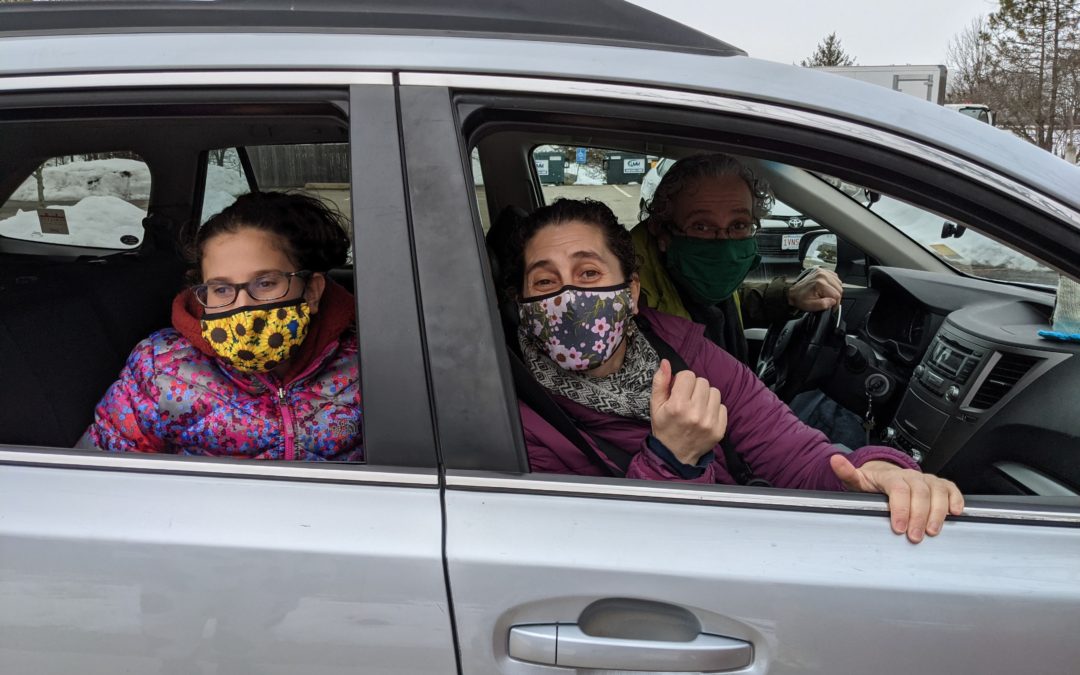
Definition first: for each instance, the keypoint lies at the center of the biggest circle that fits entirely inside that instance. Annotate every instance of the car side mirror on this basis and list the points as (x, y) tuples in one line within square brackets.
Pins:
[(952, 230), (818, 249)]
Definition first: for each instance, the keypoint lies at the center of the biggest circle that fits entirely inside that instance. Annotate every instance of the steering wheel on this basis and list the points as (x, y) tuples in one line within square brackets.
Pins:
[(802, 352)]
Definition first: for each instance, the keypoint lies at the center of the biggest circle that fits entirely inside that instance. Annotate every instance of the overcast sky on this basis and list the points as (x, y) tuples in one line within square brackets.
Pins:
[(875, 32)]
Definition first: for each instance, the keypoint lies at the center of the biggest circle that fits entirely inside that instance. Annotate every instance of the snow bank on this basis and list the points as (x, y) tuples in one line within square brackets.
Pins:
[(227, 180), (971, 248), (214, 202), (126, 178), (223, 186), (590, 175), (94, 221)]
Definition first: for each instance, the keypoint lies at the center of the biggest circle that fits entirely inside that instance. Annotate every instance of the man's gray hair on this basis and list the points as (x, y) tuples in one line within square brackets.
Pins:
[(689, 170)]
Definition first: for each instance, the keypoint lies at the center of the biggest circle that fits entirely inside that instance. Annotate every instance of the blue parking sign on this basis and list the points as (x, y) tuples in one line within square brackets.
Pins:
[(580, 156)]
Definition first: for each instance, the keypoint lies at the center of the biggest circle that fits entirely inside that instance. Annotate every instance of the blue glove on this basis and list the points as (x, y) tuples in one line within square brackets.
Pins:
[(1060, 337)]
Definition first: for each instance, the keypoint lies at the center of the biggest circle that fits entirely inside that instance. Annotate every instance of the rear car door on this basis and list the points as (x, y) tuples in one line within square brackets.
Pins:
[(157, 563), (555, 572)]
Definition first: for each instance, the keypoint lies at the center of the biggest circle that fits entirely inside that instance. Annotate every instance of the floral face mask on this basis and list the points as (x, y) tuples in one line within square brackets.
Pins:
[(258, 339), (578, 328)]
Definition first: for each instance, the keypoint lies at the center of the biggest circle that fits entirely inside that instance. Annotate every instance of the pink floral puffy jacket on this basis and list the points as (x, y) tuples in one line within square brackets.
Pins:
[(175, 396)]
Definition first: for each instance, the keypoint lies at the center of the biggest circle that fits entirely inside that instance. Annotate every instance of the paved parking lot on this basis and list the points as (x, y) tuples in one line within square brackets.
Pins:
[(622, 199)]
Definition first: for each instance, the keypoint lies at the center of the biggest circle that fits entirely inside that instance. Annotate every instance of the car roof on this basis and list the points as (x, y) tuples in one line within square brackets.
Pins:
[(606, 22), (594, 49)]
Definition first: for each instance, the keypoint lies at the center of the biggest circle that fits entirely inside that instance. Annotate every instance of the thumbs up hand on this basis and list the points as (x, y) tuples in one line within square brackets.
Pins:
[(687, 414)]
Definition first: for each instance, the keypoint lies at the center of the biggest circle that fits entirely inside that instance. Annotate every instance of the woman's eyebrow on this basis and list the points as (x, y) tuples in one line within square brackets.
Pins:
[(538, 263), (587, 255)]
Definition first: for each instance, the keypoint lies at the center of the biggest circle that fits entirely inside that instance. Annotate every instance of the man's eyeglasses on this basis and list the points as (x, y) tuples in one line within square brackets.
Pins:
[(263, 288), (703, 231)]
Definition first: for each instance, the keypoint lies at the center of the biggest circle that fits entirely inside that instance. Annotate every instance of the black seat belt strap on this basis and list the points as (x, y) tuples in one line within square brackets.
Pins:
[(737, 466), (533, 394)]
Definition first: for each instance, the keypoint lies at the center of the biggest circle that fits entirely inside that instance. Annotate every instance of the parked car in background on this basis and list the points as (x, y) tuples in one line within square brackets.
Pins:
[(442, 552)]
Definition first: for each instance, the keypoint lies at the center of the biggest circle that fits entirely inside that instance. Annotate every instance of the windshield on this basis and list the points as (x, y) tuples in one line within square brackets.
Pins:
[(951, 242)]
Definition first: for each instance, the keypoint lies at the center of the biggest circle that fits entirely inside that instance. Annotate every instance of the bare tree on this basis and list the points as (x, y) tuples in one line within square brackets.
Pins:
[(1035, 46), (970, 65), (39, 176)]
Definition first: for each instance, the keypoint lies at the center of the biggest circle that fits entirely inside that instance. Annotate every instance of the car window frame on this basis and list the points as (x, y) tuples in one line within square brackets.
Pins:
[(475, 100), (398, 430)]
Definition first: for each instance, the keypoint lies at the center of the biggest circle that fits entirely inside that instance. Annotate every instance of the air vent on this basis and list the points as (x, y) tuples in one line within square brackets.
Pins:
[(1002, 378)]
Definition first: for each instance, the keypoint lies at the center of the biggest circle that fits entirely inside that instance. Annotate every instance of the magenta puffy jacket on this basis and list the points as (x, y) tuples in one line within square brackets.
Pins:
[(776, 445)]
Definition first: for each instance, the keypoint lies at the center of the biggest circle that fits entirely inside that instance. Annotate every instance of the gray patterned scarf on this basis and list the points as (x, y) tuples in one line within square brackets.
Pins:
[(626, 392)]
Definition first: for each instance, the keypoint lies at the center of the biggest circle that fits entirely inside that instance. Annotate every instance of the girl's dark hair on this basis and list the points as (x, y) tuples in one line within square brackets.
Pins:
[(562, 211), (316, 237)]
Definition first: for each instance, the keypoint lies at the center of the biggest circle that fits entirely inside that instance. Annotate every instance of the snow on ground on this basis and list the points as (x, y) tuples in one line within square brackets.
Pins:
[(94, 221), (971, 248), (214, 202), (227, 180), (126, 178), (223, 186), (590, 175)]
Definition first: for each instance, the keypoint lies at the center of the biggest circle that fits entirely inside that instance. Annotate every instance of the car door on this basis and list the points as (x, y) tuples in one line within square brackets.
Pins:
[(116, 563), (560, 572)]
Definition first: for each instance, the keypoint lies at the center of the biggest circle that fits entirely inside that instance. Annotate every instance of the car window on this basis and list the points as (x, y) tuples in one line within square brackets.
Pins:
[(952, 242), (317, 170), (611, 176), (99, 319), (226, 179), (481, 193), (94, 200), (320, 170)]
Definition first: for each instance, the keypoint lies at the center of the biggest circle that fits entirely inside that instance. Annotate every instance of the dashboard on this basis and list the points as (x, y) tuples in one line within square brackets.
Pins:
[(974, 393)]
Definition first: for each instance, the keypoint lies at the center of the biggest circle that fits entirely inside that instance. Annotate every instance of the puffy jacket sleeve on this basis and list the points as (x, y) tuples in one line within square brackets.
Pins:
[(765, 303), (125, 419), (772, 440), (551, 452)]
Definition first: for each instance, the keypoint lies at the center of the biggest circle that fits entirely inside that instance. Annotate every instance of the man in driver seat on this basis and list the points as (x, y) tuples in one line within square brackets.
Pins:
[(696, 248)]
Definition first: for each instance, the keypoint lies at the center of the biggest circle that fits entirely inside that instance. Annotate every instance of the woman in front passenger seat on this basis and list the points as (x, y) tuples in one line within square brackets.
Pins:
[(261, 361), (596, 352)]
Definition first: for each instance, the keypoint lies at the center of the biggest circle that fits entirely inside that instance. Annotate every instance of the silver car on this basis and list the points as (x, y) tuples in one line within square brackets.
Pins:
[(443, 552)]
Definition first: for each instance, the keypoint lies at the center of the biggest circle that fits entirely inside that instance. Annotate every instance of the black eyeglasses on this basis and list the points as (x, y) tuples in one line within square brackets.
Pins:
[(263, 288), (703, 231)]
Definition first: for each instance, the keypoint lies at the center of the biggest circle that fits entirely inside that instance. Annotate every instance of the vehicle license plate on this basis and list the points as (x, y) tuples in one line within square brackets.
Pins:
[(790, 242)]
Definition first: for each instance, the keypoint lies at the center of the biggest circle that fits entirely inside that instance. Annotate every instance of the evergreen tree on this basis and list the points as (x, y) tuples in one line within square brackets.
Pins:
[(829, 53), (1035, 50)]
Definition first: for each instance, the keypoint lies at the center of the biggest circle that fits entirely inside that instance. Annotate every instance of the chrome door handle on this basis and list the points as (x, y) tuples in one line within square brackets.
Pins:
[(568, 646)]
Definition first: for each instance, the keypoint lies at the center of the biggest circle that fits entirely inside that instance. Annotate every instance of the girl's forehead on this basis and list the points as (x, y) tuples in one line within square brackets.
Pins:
[(246, 249)]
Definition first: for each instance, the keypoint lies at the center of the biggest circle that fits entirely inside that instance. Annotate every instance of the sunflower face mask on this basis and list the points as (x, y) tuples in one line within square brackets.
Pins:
[(258, 339)]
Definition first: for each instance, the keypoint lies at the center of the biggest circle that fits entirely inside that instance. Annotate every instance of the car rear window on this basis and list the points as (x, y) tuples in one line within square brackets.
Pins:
[(89, 201)]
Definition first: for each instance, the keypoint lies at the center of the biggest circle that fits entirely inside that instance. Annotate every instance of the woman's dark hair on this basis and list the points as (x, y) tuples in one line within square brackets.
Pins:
[(316, 237), (562, 211), (689, 170)]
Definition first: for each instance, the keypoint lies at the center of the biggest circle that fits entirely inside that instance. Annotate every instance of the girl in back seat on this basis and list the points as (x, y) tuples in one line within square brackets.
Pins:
[(261, 361)]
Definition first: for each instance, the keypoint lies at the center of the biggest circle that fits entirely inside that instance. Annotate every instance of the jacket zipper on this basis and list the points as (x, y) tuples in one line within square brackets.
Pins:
[(287, 423), (288, 430)]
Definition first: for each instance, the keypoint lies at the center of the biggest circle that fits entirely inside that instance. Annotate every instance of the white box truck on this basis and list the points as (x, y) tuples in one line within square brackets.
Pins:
[(926, 82)]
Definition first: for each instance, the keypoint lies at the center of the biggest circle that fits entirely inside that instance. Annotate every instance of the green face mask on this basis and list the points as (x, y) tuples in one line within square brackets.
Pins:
[(711, 269)]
